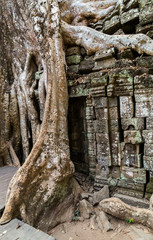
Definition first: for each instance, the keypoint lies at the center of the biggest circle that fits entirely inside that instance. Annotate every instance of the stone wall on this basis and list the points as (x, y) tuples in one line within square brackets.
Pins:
[(118, 88)]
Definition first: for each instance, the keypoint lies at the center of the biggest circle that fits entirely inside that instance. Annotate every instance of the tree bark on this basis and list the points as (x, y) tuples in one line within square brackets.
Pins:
[(43, 181), (119, 209)]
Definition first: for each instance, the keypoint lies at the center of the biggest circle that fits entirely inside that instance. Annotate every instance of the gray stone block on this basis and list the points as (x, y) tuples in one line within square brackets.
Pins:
[(100, 195), (130, 16)]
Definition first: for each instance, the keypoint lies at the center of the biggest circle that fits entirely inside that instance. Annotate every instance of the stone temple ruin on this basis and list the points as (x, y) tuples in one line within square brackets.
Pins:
[(111, 107)]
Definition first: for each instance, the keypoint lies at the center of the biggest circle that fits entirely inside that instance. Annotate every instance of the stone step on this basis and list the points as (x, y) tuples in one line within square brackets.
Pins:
[(17, 230), (6, 174), (142, 203)]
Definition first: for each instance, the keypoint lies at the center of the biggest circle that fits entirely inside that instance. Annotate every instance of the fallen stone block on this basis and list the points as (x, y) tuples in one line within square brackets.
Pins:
[(102, 194)]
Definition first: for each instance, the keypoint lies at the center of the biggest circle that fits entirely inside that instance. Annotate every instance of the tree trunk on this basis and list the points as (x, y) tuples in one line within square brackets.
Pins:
[(43, 181)]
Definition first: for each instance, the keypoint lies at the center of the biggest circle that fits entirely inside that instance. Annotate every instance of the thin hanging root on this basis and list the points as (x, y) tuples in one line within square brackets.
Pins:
[(14, 157)]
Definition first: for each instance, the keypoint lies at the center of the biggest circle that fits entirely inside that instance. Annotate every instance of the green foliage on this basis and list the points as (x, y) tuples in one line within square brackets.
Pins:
[(76, 215), (129, 220)]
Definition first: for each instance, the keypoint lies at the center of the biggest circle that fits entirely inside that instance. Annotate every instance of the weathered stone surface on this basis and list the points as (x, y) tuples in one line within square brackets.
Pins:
[(134, 123), (148, 136), (145, 62), (131, 4), (133, 137), (130, 192), (126, 54), (146, 13), (130, 185), (112, 25), (131, 156), (84, 195), (86, 65), (150, 34), (73, 68), (101, 126), (104, 64), (149, 123), (86, 209), (130, 16), (148, 150), (73, 51), (79, 90), (135, 174), (74, 59), (126, 107), (139, 234), (141, 203), (144, 29), (104, 54), (100, 102), (149, 187), (120, 83), (148, 163), (102, 194), (17, 229), (99, 80), (101, 113), (103, 222), (151, 203)]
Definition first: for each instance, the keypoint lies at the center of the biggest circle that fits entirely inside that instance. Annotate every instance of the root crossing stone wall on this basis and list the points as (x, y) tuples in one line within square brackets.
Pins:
[(118, 90)]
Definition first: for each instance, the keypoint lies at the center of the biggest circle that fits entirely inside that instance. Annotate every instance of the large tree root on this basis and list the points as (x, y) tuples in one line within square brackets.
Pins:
[(119, 209), (94, 41)]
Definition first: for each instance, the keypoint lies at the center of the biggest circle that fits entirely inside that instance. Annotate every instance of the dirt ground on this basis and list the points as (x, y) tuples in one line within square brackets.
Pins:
[(83, 231)]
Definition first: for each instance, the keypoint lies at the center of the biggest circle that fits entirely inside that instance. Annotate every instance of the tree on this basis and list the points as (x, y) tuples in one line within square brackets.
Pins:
[(34, 98)]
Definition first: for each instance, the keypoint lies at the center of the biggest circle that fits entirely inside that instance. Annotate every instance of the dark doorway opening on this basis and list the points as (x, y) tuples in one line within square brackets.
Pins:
[(78, 134)]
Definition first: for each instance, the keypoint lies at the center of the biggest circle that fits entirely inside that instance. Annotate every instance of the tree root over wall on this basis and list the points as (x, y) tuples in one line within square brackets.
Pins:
[(119, 209)]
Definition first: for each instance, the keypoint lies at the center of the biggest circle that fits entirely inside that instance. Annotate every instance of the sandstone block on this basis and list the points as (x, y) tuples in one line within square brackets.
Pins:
[(86, 65), (127, 53), (126, 107), (148, 136), (132, 123), (73, 51), (149, 123), (104, 54), (131, 4), (86, 209), (133, 137), (100, 102), (148, 163), (99, 80), (112, 25), (101, 113), (100, 195), (148, 150), (104, 64), (73, 68), (101, 126), (120, 83), (130, 16), (137, 175), (146, 13), (103, 222), (129, 192), (74, 59), (145, 62)]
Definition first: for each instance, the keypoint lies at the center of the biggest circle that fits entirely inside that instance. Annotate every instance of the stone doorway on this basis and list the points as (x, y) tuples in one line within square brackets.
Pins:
[(78, 134)]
